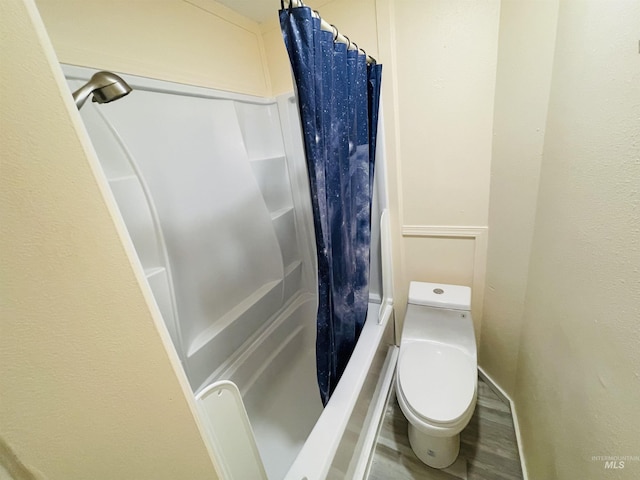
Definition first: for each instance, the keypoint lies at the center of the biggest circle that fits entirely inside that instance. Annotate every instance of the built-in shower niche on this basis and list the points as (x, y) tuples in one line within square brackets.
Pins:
[(130, 195), (261, 129), (201, 179)]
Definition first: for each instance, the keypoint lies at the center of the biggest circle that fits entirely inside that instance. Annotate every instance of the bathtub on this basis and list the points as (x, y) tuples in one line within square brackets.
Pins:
[(266, 422), (297, 438), (276, 379), (341, 442)]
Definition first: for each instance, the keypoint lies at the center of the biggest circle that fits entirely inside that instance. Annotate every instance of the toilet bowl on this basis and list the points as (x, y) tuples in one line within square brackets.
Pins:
[(436, 381)]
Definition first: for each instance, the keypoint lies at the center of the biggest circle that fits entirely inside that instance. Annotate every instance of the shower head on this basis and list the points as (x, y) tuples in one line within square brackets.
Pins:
[(105, 87)]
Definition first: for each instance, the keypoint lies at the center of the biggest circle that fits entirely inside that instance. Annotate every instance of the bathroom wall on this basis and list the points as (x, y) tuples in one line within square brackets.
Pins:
[(277, 58), (446, 69), (86, 371), (578, 374), (525, 60), (197, 42)]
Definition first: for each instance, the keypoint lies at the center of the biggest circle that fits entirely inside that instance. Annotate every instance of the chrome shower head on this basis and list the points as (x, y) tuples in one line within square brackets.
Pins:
[(105, 87)]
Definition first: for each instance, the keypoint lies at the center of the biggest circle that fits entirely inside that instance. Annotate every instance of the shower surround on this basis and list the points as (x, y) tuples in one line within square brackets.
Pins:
[(212, 187)]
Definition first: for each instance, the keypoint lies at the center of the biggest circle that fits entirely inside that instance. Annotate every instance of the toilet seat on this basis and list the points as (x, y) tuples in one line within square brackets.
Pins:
[(438, 381)]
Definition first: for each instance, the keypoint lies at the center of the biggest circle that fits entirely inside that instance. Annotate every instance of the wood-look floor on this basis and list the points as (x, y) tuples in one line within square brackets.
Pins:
[(488, 444)]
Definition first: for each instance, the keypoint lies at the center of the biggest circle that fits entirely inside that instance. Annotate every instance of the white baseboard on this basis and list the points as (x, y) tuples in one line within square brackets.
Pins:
[(514, 416)]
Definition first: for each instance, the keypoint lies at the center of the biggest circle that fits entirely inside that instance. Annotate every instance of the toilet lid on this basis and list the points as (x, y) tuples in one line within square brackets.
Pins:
[(437, 381)]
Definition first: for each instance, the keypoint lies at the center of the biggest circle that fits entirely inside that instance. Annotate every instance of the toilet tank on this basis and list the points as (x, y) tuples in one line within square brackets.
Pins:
[(440, 313), (439, 295)]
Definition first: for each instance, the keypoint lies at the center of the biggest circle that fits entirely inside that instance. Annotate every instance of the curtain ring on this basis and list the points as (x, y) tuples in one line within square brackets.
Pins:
[(335, 31), (348, 40)]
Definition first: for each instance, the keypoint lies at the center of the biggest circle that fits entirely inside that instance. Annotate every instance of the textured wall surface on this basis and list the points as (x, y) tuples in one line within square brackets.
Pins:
[(88, 387), (446, 54), (525, 60), (578, 378), (197, 42)]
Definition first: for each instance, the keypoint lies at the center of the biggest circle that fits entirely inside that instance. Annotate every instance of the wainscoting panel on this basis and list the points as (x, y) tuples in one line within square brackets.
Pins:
[(448, 254)]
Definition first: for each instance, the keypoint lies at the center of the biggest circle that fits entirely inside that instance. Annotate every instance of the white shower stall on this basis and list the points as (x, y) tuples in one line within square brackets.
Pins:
[(213, 190)]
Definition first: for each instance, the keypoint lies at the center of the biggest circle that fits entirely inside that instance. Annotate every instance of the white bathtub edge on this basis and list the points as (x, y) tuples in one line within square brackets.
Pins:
[(314, 460), (385, 385)]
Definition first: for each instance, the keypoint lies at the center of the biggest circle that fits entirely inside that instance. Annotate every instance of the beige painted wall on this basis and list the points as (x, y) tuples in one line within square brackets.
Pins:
[(446, 61), (578, 375), (446, 54), (197, 42), (90, 387), (277, 58), (525, 60)]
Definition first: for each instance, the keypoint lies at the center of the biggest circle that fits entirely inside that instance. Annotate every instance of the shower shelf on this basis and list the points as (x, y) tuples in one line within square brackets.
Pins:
[(241, 309), (124, 178), (150, 272), (268, 158), (281, 212), (291, 267), (272, 176), (292, 278)]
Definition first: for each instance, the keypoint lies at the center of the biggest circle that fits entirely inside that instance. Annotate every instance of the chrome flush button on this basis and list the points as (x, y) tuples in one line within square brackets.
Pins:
[(438, 291)]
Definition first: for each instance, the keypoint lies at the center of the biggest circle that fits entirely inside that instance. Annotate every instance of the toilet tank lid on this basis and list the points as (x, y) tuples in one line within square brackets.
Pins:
[(440, 295)]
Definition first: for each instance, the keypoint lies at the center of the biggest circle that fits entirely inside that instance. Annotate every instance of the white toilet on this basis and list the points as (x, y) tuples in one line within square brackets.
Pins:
[(437, 378)]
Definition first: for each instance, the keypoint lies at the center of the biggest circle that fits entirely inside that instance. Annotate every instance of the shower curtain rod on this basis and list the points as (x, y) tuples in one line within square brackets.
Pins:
[(329, 27)]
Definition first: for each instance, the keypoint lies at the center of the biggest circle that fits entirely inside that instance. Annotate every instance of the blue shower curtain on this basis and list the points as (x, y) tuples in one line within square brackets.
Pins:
[(338, 97)]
